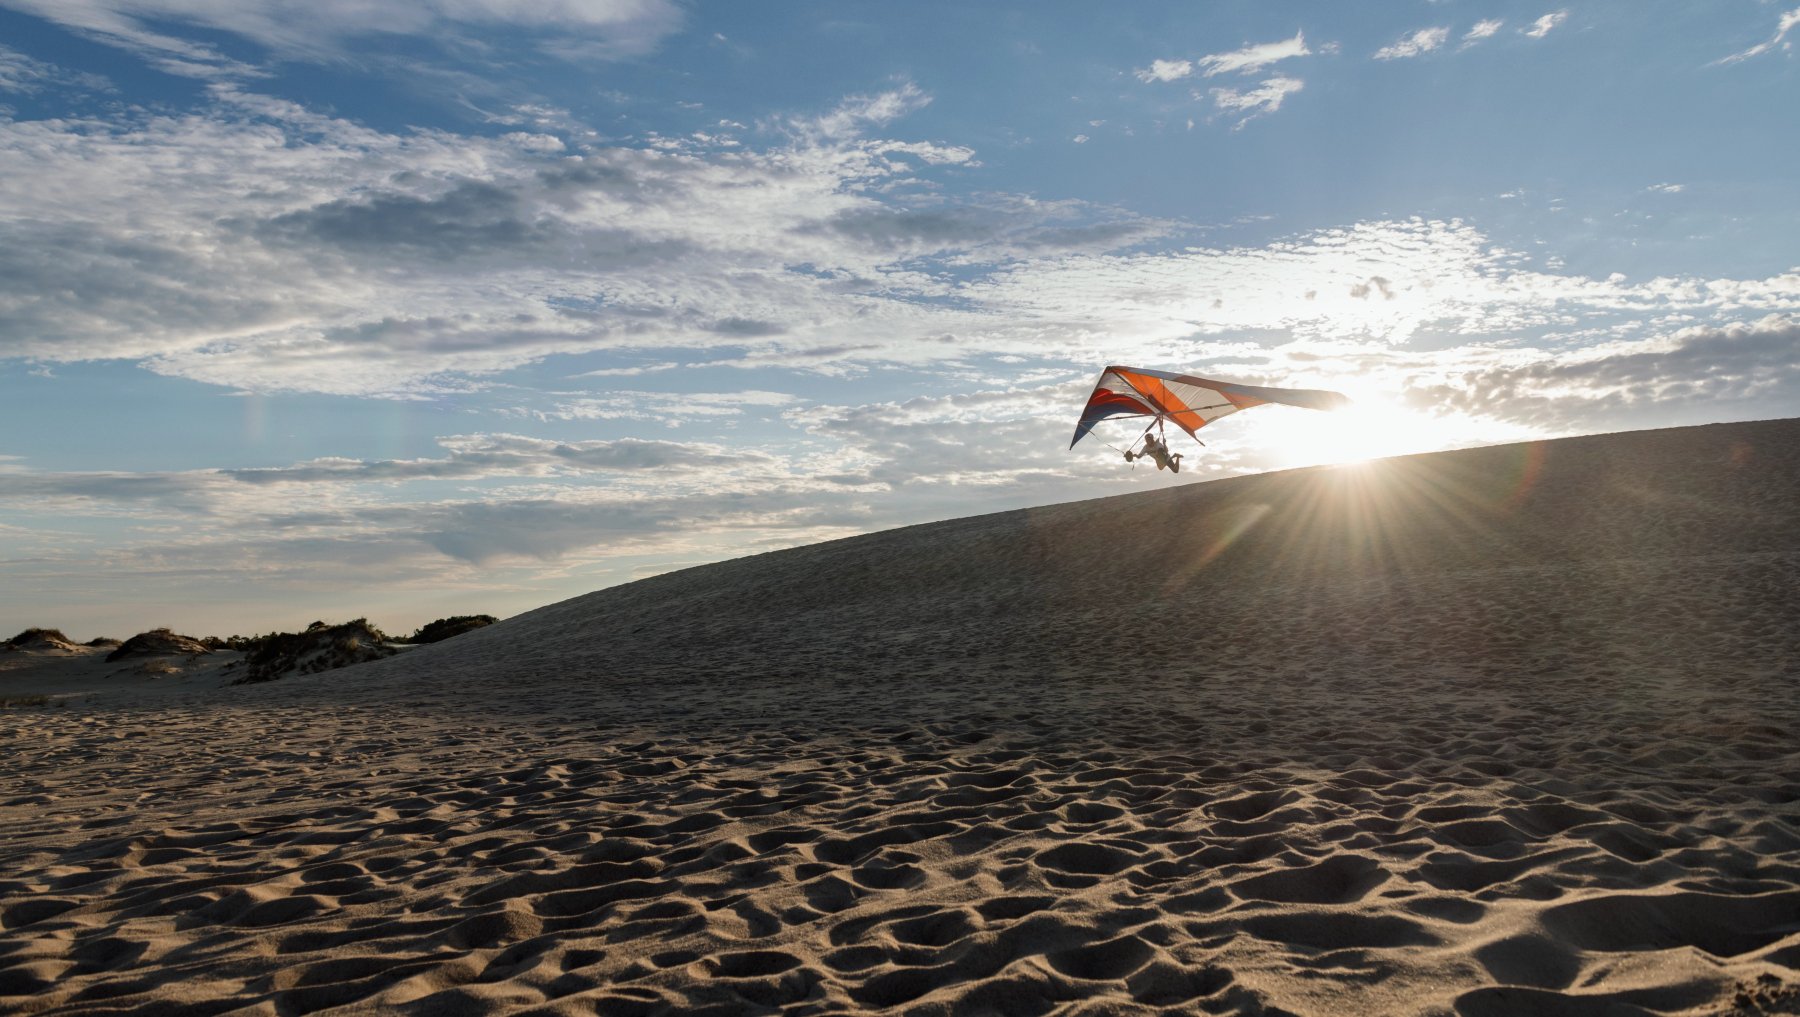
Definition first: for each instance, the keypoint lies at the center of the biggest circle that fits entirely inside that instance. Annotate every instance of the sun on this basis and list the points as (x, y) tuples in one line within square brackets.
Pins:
[(1371, 427)]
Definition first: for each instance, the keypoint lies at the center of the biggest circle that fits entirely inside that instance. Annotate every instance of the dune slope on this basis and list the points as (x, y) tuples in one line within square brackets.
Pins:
[(1505, 730)]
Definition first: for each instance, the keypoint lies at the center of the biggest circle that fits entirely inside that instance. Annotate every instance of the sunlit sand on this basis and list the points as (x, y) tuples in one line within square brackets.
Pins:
[(1499, 731)]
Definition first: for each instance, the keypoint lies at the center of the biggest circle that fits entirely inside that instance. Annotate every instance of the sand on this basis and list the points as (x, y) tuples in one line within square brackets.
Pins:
[(1500, 731)]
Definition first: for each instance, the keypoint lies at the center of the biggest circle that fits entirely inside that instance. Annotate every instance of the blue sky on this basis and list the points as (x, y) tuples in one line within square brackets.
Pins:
[(405, 310)]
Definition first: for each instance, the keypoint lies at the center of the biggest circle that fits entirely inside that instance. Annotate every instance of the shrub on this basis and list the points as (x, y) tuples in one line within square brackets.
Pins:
[(320, 648), (444, 628), (34, 635), (157, 642)]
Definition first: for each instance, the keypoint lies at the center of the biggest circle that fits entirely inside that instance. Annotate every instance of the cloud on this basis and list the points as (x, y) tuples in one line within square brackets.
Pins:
[(1439, 282), (1166, 70), (1249, 60), (510, 455), (981, 447), (555, 529), (258, 245), (187, 492), (1666, 188), (1264, 99), (664, 407), (28, 75), (229, 493), (216, 246), (1779, 40), (588, 29), (1542, 26), (1422, 41), (471, 217), (632, 371), (263, 247), (1690, 376), (1254, 58), (854, 114), (1482, 30)]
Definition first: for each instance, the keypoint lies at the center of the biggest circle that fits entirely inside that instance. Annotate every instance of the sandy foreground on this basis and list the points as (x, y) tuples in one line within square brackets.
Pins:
[(1503, 731)]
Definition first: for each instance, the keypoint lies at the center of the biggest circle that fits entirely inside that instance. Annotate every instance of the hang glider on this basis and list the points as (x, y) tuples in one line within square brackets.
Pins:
[(1188, 402)]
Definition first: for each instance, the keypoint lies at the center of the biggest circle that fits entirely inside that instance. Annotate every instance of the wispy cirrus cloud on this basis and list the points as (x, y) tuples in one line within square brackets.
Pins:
[(483, 456), (1414, 44), (1482, 30), (1248, 60), (1783, 26), (858, 112), (674, 408), (1248, 104), (470, 457), (1166, 70), (25, 74), (595, 28), (1542, 26), (1254, 58)]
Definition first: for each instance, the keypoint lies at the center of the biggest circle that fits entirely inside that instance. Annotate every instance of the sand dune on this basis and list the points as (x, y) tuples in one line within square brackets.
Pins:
[(1502, 731)]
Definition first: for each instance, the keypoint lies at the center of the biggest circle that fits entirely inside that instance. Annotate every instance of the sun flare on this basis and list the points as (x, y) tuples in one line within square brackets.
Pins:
[(1370, 428)]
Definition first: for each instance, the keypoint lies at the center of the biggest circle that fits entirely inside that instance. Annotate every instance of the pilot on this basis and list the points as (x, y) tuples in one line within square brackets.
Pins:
[(1156, 449)]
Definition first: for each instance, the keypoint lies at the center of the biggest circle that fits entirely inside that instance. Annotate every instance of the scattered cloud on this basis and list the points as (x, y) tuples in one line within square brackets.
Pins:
[(858, 112), (1784, 25), (1629, 383), (1080, 139), (673, 408), (482, 456), (1666, 188), (587, 29), (626, 372), (216, 246), (1482, 30), (1264, 99), (1391, 283), (1542, 26), (1422, 41), (1254, 58), (25, 74), (1249, 60), (1166, 70)]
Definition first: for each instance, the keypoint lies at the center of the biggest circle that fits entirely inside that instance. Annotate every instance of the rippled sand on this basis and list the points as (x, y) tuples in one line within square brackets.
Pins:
[(1503, 731)]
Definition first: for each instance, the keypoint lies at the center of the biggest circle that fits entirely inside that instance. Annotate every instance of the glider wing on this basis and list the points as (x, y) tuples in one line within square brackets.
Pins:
[(1188, 402)]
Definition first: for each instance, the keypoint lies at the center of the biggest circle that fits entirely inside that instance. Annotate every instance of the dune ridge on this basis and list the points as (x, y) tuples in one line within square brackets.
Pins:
[(1498, 731)]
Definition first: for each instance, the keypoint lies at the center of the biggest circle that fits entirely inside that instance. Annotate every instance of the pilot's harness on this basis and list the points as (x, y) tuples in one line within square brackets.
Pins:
[(1162, 435), (1131, 456)]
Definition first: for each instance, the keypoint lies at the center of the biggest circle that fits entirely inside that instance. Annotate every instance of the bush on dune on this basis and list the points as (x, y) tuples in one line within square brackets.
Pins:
[(158, 643), (40, 639), (321, 647), (444, 628), (38, 635)]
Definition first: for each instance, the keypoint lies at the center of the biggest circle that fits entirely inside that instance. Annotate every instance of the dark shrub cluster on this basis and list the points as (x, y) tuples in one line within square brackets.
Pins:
[(41, 635), (158, 643), (444, 628), (321, 647)]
